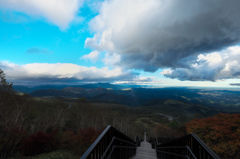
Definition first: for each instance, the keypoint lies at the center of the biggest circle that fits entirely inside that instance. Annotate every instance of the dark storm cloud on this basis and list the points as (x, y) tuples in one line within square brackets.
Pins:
[(155, 34)]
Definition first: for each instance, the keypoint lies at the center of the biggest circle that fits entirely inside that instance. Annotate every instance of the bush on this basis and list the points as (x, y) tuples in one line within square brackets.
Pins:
[(221, 133), (78, 142), (10, 139), (39, 143), (163, 131)]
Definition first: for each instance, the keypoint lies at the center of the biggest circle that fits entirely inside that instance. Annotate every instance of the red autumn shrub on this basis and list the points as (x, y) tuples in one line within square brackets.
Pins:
[(45, 142), (88, 135), (163, 131), (80, 141), (67, 139), (10, 139), (39, 143), (221, 133)]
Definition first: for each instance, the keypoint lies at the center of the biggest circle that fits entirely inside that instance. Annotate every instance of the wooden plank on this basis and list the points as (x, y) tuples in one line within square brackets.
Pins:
[(145, 150)]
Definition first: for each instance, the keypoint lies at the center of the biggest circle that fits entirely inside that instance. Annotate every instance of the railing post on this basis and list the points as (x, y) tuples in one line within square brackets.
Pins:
[(145, 131)]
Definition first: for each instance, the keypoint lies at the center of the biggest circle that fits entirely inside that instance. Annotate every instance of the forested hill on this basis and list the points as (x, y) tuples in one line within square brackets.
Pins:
[(29, 89), (133, 96)]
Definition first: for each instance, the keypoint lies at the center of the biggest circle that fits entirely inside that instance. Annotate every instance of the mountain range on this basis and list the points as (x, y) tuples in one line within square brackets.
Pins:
[(133, 96)]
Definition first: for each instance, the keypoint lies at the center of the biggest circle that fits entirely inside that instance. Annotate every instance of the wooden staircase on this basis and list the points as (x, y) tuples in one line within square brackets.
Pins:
[(145, 150), (115, 145)]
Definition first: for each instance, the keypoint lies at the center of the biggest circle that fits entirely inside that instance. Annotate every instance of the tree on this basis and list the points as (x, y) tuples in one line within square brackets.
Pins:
[(221, 133), (4, 85), (83, 100)]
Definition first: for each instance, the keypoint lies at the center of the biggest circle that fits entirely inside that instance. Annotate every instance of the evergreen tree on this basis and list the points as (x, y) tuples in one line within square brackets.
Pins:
[(4, 85)]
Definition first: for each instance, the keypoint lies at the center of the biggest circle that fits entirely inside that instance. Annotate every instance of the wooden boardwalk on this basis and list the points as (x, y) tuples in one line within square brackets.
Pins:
[(145, 150)]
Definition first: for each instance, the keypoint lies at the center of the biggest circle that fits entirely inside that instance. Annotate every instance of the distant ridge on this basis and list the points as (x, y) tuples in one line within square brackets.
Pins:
[(220, 99), (235, 84), (27, 89), (102, 85)]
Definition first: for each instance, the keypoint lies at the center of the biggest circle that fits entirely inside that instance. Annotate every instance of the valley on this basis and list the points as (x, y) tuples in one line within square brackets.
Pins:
[(221, 99), (72, 112)]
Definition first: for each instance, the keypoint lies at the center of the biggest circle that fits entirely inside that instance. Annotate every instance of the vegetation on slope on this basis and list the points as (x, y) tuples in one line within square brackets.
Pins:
[(66, 127), (221, 133), (30, 126)]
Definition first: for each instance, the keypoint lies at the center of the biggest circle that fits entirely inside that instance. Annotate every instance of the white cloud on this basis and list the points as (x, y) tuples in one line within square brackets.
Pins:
[(212, 58), (142, 81), (166, 71), (112, 59), (213, 66), (58, 12), (93, 56), (60, 72)]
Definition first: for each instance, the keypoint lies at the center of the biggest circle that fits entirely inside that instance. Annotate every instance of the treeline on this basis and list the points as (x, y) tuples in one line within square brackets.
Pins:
[(33, 126), (30, 126)]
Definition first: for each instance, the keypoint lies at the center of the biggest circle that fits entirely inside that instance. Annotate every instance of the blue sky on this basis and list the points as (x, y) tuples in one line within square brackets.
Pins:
[(151, 42), (18, 37)]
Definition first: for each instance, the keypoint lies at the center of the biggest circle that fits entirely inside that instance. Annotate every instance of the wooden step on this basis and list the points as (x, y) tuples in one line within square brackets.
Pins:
[(145, 150)]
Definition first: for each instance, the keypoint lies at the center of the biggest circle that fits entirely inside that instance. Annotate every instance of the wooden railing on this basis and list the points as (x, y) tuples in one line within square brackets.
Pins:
[(112, 144), (189, 146)]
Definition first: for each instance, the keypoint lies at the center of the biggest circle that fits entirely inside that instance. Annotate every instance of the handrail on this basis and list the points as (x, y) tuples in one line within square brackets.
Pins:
[(178, 147), (155, 141), (90, 149), (118, 147), (113, 139), (173, 154), (107, 139), (137, 140), (188, 148), (113, 144), (194, 145), (192, 140), (210, 151)]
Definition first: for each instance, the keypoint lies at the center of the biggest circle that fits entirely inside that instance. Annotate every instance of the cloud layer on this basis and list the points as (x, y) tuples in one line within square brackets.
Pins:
[(93, 56), (58, 12), (142, 81), (153, 34), (62, 72), (210, 67)]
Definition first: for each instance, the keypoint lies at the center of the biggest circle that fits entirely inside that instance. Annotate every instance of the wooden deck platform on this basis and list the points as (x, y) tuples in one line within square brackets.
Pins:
[(145, 150)]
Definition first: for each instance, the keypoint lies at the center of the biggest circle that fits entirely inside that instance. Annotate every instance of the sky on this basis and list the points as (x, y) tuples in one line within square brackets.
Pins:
[(140, 42)]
